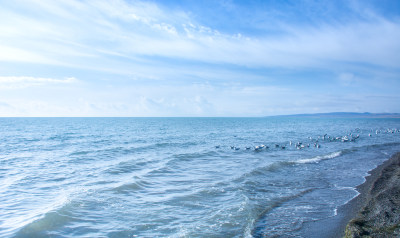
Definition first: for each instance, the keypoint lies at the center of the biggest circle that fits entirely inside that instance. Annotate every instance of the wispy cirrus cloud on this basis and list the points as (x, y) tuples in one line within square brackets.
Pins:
[(149, 58), (74, 31), (12, 82)]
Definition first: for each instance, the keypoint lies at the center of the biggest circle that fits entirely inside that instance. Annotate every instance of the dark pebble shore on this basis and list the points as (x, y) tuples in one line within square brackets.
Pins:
[(376, 211)]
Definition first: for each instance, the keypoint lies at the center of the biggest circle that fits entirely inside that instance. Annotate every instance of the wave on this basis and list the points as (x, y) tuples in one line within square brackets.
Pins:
[(260, 222), (126, 188), (336, 154), (390, 144), (278, 165), (129, 166), (176, 161), (352, 189), (157, 165), (129, 148), (319, 158), (194, 155), (40, 220), (51, 220)]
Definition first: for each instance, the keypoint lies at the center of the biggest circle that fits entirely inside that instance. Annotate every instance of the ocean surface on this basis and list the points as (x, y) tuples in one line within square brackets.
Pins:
[(183, 177)]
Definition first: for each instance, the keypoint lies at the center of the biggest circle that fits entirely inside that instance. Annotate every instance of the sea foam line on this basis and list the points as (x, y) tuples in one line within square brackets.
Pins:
[(21, 221), (318, 158)]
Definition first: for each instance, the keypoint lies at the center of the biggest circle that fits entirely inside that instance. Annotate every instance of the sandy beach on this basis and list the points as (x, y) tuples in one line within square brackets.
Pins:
[(376, 211)]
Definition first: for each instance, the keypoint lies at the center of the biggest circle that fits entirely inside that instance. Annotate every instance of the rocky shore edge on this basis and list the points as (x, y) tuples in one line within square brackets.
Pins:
[(379, 214)]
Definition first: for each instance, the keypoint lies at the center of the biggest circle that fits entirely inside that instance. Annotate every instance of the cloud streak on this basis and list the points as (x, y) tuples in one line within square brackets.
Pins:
[(141, 58), (12, 82), (138, 29)]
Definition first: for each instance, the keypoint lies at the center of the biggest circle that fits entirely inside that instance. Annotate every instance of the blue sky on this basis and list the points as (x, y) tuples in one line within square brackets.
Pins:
[(198, 58)]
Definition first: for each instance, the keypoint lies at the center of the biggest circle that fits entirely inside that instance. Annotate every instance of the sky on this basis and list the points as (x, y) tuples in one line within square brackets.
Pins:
[(185, 58)]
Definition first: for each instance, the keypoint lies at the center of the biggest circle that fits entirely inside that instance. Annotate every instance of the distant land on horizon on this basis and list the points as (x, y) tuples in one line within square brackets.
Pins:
[(344, 115), (302, 115)]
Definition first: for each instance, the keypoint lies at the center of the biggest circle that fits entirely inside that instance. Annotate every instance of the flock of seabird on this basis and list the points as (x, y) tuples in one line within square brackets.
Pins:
[(314, 142)]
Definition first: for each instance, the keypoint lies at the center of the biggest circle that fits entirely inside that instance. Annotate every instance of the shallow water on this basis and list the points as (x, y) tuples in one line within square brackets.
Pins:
[(179, 177)]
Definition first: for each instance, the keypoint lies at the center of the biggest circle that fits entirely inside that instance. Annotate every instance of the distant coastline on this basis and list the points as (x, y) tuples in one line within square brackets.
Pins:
[(344, 115)]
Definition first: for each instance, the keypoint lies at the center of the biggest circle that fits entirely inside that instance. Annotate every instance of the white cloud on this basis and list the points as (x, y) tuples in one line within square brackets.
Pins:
[(13, 54), (175, 65), (17, 82), (75, 31), (347, 79), (181, 100), (15, 79)]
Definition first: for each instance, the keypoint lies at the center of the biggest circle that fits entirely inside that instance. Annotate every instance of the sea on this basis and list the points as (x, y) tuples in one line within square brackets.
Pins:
[(184, 177)]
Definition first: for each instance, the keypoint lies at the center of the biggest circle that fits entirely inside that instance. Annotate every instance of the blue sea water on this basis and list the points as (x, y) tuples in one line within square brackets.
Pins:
[(183, 177)]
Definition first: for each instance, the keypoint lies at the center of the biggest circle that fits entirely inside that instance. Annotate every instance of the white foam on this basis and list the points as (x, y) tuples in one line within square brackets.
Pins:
[(21, 219), (318, 158), (248, 229)]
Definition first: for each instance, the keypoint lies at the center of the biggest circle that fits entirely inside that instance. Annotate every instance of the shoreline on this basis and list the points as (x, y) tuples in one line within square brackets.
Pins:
[(335, 226), (372, 212)]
